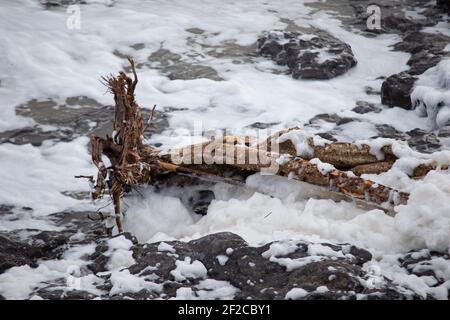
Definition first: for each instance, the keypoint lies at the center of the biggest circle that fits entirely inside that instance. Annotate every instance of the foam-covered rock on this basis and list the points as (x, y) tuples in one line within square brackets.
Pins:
[(308, 56)]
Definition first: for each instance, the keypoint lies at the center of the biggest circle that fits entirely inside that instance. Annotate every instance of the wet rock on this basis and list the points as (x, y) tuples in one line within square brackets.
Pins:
[(325, 271), (327, 135), (15, 253), (444, 132), (396, 90), (140, 295), (308, 56), (397, 22), (175, 68), (423, 141), (363, 107), (34, 135), (387, 131), (49, 241), (54, 293), (422, 61), (346, 120), (51, 3), (201, 200), (334, 118), (426, 49), (371, 91), (98, 259), (195, 30), (263, 125), (5, 209), (254, 272), (362, 256), (78, 116), (73, 222), (444, 5), (138, 46), (420, 264)]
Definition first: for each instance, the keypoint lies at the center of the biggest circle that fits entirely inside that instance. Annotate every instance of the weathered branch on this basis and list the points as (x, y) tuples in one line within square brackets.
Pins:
[(357, 158)]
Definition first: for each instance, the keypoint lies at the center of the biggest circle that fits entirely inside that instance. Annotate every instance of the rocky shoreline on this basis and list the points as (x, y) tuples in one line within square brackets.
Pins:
[(219, 265), (224, 265)]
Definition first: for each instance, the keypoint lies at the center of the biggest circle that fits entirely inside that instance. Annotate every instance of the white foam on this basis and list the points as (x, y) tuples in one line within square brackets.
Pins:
[(188, 269), (296, 293)]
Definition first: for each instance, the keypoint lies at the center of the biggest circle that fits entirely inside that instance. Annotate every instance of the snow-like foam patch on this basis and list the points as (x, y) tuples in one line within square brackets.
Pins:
[(432, 93), (188, 269), (20, 282), (425, 220)]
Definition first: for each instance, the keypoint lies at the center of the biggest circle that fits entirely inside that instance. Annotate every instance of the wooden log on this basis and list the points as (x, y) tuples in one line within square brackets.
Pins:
[(133, 163), (349, 156), (297, 168)]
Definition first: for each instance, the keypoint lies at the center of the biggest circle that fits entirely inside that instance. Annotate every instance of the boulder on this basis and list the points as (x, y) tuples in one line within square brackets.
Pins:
[(308, 56), (396, 90)]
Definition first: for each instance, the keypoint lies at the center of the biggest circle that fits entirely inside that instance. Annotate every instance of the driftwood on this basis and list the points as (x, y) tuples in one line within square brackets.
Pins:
[(134, 163), (351, 157)]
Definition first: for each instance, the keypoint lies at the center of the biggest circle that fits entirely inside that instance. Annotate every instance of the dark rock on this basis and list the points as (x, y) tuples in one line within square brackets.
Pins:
[(98, 258), (371, 91), (52, 293), (415, 42), (176, 68), (262, 125), (393, 22), (422, 61), (251, 270), (201, 200), (46, 245), (55, 3), (47, 241), (34, 135), (423, 141), (365, 107), (396, 90), (387, 131), (444, 132), (6, 209), (334, 118), (416, 133), (345, 120), (444, 5), (427, 50), (78, 116), (320, 56), (327, 136), (14, 253), (140, 295), (419, 262), (362, 256), (254, 274)]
